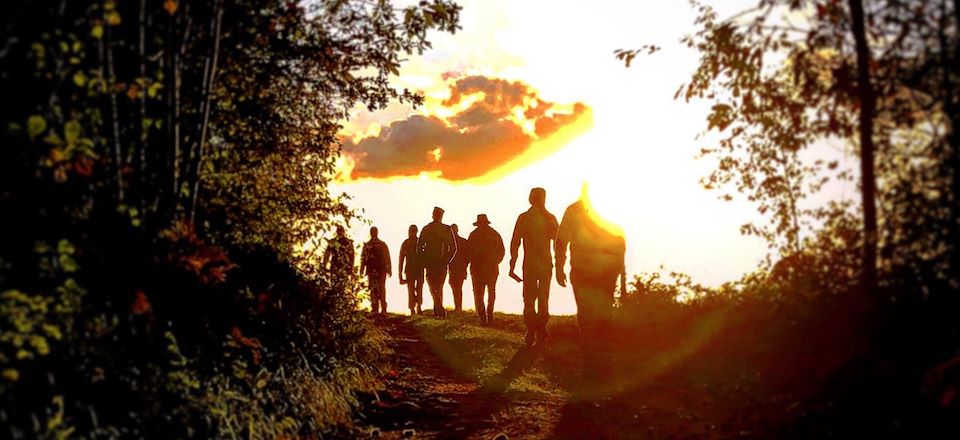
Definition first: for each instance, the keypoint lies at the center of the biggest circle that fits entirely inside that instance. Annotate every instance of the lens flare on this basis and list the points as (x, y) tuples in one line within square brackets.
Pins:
[(606, 212)]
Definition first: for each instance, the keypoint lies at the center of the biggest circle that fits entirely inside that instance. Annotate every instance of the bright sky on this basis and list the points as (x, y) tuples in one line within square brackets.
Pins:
[(638, 155)]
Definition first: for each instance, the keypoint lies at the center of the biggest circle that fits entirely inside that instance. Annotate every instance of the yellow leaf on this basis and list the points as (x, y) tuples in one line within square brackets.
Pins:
[(112, 18), (36, 125), (97, 32), (80, 79), (11, 374)]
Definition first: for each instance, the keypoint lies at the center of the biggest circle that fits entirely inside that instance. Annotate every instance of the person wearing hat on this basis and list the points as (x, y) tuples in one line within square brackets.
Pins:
[(536, 229), (485, 254), (458, 269), (435, 250)]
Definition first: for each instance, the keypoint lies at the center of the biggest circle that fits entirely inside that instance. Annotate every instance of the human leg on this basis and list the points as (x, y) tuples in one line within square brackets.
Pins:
[(456, 286), (435, 279), (382, 286), (418, 290), (543, 305), (478, 298), (530, 318), (374, 293), (411, 295), (594, 293), (491, 297)]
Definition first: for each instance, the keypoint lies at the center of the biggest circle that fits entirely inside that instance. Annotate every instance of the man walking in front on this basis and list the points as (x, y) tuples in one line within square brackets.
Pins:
[(485, 254), (411, 273), (597, 251), (435, 250), (536, 229), (458, 268), (375, 262)]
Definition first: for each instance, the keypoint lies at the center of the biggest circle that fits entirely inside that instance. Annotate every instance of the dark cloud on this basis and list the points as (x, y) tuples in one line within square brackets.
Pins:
[(471, 143)]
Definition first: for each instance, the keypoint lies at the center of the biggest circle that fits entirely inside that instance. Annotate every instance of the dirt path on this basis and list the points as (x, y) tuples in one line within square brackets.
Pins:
[(424, 398)]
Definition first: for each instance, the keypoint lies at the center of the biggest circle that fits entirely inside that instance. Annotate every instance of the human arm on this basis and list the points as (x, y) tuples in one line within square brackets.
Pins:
[(386, 257), (403, 256), (499, 250), (560, 247), (515, 247), (363, 260), (452, 246), (623, 267)]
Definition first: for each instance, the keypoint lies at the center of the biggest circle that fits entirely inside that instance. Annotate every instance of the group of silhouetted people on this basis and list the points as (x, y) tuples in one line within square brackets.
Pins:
[(596, 261)]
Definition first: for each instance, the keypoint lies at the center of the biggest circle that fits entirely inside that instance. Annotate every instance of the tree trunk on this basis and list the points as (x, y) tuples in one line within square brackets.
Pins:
[(952, 72), (141, 150), (114, 117), (868, 182), (210, 75)]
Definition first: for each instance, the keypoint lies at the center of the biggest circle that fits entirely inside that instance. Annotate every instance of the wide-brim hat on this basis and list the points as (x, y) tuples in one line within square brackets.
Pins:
[(481, 220)]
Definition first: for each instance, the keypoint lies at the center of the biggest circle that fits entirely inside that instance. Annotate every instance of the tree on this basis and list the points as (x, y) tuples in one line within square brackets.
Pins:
[(868, 183), (878, 75), (162, 162)]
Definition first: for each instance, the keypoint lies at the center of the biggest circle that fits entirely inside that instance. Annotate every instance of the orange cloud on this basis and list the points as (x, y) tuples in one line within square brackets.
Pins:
[(487, 126)]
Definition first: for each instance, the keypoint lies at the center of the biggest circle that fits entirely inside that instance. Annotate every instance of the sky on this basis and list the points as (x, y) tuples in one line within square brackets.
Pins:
[(529, 94)]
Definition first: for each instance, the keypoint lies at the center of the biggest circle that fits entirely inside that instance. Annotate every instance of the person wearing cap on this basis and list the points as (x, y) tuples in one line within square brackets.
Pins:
[(436, 248), (411, 273), (485, 254), (375, 262), (536, 229), (458, 268)]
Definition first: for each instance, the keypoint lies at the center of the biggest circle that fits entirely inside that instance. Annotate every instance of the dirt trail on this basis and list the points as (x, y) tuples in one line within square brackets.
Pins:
[(424, 398)]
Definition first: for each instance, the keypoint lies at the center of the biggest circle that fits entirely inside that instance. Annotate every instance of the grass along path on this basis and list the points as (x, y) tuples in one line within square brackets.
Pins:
[(454, 379)]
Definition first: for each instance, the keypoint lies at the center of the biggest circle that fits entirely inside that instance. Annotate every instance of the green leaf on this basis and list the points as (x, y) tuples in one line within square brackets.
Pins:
[(71, 132), (65, 247), (36, 125)]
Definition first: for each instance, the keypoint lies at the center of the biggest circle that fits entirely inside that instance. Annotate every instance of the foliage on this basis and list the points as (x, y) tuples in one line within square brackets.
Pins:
[(163, 164), (782, 77)]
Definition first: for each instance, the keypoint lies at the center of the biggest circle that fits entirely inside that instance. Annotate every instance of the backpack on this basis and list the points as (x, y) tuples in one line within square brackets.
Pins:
[(432, 245)]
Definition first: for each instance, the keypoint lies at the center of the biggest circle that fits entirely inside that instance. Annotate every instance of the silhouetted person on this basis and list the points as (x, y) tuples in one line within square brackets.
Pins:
[(536, 228), (458, 268), (435, 250), (375, 262), (596, 260), (339, 255), (413, 271), (485, 247)]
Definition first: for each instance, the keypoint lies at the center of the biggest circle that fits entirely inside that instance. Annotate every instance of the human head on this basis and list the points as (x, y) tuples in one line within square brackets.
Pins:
[(481, 220), (437, 213), (538, 197), (412, 231), (340, 231), (456, 229), (374, 232)]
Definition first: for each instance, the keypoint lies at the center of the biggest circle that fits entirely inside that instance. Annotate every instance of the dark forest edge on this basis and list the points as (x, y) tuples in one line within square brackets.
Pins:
[(162, 163)]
